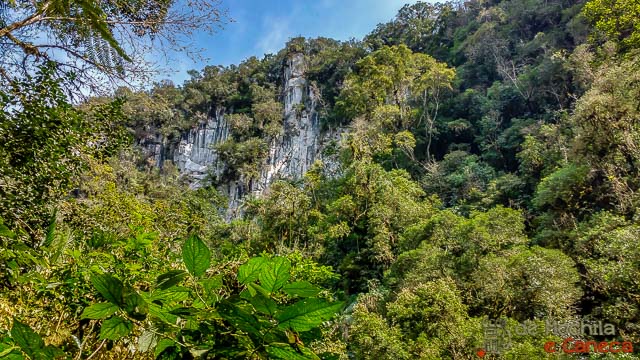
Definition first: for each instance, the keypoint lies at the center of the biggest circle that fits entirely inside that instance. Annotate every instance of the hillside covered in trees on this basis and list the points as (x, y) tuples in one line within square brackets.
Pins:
[(479, 174)]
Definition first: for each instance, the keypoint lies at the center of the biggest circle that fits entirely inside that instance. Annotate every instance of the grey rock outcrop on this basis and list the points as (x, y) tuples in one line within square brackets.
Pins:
[(290, 155)]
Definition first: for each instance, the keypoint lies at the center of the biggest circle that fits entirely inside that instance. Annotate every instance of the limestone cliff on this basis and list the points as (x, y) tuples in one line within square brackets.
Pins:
[(290, 155)]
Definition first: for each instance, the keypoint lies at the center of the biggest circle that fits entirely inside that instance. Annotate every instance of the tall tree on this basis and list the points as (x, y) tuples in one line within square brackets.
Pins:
[(616, 20), (389, 84), (98, 40)]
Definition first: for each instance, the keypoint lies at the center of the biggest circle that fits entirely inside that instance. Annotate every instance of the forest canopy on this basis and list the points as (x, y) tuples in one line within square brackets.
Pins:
[(486, 177)]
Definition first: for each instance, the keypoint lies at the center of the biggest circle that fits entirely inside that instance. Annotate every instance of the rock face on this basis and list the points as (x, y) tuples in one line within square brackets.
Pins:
[(194, 155), (290, 154)]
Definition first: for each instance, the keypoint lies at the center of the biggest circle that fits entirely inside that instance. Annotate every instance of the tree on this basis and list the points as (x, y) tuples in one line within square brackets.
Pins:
[(460, 178), (615, 20), (607, 247), (382, 77), (433, 79), (364, 221), (44, 142), (387, 83), (526, 284), (433, 316), (422, 26), (608, 133), (97, 40)]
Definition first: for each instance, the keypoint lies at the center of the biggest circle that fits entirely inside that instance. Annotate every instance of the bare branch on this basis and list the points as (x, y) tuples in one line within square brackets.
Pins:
[(96, 49), (30, 20)]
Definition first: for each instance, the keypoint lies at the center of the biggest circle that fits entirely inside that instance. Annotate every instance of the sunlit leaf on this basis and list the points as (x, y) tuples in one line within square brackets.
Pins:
[(115, 328), (99, 311), (170, 278), (249, 272), (307, 314), (301, 289), (109, 287), (196, 256), (275, 274)]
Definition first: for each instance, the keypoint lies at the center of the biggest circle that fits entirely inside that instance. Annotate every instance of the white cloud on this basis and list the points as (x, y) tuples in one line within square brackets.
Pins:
[(275, 33)]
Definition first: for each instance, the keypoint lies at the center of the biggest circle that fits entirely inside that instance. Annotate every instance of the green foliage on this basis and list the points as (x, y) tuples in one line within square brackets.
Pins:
[(99, 311), (243, 159), (196, 256), (98, 43), (526, 284), (616, 20), (115, 328), (506, 188), (259, 315), (373, 338), (43, 142), (94, 17), (330, 62), (307, 314), (38, 133), (421, 26), (432, 314), (275, 274), (460, 178), (284, 216), (606, 246), (607, 133), (389, 74), (563, 188), (379, 95), (157, 109), (109, 287), (366, 220), (30, 344)]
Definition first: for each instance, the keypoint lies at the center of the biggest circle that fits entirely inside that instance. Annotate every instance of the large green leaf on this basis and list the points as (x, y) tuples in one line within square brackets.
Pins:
[(263, 304), (301, 289), (170, 278), (99, 311), (255, 289), (4, 231), (307, 314), (109, 287), (275, 274), (10, 352), (28, 340), (239, 318), (14, 355), (163, 315), (115, 328), (51, 230), (196, 256), (249, 271), (135, 305), (163, 345), (174, 294), (51, 352)]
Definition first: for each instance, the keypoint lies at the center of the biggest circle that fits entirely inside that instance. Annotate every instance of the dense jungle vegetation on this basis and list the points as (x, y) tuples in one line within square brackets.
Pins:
[(491, 170)]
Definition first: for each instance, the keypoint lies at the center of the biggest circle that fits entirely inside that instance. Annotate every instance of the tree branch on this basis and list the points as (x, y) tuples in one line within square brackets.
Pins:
[(37, 17)]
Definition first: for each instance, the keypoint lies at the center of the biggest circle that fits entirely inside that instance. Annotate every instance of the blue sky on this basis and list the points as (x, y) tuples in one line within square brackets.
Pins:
[(261, 27)]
